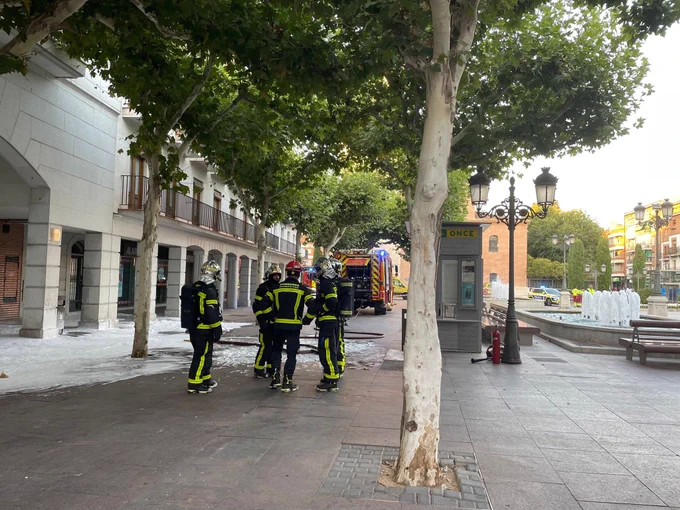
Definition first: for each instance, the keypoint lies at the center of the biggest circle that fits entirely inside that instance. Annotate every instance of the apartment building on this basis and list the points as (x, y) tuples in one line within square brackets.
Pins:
[(71, 208)]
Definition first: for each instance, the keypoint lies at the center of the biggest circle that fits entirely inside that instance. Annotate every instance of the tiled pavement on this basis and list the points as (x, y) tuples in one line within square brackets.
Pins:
[(588, 432)]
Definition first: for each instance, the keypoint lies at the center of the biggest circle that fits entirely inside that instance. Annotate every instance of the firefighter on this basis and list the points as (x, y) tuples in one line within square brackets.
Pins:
[(290, 299), (342, 360), (264, 313), (208, 328), (327, 316)]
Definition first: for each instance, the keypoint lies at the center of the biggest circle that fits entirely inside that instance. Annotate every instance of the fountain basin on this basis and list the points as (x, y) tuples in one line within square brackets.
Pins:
[(575, 328)]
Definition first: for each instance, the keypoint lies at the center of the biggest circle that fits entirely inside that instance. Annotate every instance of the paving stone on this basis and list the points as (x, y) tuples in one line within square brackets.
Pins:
[(332, 490), (453, 494), (408, 497), (352, 493), (366, 494), (442, 501), (417, 490), (397, 491), (423, 498), (483, 506), (474, 497)]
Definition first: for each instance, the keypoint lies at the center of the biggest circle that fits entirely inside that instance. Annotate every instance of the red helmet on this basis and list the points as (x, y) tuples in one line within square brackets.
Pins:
[(293, 267)]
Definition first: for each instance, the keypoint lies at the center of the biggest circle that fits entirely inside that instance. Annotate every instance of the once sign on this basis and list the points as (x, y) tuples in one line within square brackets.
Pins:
[(460, 232)]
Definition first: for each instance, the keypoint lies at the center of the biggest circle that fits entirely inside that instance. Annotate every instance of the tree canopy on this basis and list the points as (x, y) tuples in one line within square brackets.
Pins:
[(576, 266), (561, 223), (602, 256)]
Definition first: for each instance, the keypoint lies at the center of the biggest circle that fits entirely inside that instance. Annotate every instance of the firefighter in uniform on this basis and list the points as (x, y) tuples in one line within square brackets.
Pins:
[(327, 315), (290, 299), (339, 280), (208, 328), (264, 313)]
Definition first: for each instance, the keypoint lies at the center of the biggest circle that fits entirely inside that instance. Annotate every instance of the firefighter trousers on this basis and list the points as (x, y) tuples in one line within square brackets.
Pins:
[(341, 347), (328, 349), (291, 337), (201, 363), (264, 353)]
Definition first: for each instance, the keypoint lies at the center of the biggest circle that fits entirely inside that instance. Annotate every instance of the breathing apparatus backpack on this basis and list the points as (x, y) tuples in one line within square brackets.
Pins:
[(346, 297), (188, 307)]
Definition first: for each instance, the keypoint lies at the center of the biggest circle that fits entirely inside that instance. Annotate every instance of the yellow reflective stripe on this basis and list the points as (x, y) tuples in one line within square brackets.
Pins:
[(270, 295), (288, 321), (216, 324), (211, 302), (207, 377), (328, 318), (260, 353), (198, 379), (203, 326), (332, 375), (297, 303), (201, 302), (325, 308), (258, 298), (308, 297), (276, 300), (266, 310), (309, 315), (332, 294)]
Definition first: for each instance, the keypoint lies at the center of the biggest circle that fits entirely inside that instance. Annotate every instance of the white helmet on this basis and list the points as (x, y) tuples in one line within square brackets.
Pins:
[(210, 271), (324, 268), (271, 271)]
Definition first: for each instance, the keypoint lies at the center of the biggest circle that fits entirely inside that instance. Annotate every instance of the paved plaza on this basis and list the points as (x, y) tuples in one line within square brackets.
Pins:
[(560, 431)]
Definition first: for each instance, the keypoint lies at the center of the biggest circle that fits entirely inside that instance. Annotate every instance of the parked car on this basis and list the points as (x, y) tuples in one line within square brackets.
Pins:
[(548, 296), (400, 288)]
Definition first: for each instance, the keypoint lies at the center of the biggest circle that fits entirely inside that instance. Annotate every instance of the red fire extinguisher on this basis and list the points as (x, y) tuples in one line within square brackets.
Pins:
[(496, 347)]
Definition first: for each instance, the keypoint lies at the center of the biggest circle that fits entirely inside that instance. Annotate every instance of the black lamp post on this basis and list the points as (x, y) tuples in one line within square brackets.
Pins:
[(512, 212), (662, 216), (567, 241), (603, 269)]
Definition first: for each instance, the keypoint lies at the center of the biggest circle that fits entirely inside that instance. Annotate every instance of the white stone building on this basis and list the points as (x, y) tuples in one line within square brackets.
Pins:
[(70, 208)]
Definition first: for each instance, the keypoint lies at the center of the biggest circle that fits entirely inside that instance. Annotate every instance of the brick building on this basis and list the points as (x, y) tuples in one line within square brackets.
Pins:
[(495, 251)]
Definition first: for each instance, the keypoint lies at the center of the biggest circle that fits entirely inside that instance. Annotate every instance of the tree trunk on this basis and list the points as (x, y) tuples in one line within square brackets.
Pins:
[(418, 455), (261, 249), (41, 27), (152, 208), (298, 245)]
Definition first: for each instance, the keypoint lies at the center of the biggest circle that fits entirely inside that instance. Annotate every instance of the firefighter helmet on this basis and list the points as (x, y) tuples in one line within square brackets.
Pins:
[(337, 265), (271, 271), (324, 268), (293, 268), (210, 271)]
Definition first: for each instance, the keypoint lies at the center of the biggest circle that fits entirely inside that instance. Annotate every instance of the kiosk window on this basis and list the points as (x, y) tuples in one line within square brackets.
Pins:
[(449, 281), (493, 243)]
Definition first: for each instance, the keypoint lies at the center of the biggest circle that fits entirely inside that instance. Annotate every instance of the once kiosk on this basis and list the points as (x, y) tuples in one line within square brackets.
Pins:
[(459, 287)]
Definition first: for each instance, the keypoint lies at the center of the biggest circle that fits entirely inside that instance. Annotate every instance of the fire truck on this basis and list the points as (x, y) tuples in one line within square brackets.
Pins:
[(371, 272)]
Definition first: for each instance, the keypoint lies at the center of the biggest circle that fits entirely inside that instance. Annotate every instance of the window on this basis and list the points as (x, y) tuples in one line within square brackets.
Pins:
[(493, 277), (493, 243)]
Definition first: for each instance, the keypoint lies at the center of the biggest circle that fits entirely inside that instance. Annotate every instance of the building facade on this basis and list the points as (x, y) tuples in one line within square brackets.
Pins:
[(71, 208), (496, 252)]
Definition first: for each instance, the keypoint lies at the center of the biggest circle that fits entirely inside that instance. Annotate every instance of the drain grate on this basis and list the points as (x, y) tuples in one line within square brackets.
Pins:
[(392, 365), (549, 360)]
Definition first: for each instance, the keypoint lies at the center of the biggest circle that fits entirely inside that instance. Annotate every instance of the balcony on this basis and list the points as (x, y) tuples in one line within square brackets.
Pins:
[(670, 251), (187, 210)]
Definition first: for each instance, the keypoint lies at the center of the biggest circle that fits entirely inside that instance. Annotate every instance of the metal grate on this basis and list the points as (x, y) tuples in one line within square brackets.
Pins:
[(392, 365)]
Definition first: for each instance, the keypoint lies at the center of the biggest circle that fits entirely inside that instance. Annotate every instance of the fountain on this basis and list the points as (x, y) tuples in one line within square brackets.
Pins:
[(500, 290), (611, 308)]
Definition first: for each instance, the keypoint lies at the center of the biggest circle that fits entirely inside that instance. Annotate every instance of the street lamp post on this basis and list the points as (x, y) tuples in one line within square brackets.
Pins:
[(603, 269), (658, 304), (568, 240), (512, 212)]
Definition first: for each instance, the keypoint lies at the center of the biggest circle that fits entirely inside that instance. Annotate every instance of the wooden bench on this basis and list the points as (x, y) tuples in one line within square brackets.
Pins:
[(651, 340), (494, 318)]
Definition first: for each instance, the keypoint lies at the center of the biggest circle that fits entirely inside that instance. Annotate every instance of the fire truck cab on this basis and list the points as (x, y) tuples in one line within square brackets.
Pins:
[(371, 272)]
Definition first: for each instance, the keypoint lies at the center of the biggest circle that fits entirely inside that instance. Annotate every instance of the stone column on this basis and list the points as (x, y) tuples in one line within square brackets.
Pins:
[(244, 279), (99, 277), (254, 283), (232, 282), (42, 266), (199, 258), (222, 285), (177, 265)]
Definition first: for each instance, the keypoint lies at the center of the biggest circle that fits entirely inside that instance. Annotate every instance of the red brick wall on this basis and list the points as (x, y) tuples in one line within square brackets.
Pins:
[(11, 260)]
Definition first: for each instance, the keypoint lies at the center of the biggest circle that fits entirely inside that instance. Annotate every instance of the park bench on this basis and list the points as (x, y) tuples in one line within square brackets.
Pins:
[(493, 318), (648, 339)]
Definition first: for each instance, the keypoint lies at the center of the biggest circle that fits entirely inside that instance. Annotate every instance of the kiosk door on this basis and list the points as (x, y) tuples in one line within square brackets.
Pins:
[(449, 288)]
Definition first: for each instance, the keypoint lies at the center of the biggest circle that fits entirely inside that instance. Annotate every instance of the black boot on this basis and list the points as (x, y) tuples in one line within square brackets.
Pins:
[(288, 385), (202, 388), (327, 385), (276, 381), (260, 374)]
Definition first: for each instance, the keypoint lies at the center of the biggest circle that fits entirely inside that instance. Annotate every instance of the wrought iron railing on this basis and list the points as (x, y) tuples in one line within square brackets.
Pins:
[(189, 210)]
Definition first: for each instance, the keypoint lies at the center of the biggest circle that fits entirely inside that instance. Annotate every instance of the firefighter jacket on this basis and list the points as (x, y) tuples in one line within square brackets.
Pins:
[(326, 307), (208, 313), (290, 299), (263, 305)]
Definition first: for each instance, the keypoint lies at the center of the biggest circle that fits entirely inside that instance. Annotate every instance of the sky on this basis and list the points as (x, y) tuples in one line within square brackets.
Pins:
[(643, 166)]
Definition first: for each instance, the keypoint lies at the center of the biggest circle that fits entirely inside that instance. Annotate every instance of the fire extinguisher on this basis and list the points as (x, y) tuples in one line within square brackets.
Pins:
[(496, 346)]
